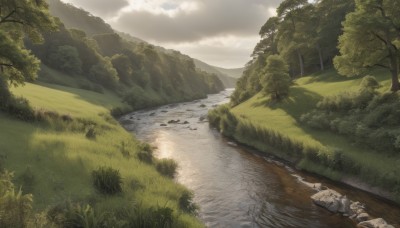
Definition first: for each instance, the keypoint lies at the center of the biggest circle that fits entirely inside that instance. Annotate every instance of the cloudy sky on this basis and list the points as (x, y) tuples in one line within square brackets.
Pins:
[(219, 32)]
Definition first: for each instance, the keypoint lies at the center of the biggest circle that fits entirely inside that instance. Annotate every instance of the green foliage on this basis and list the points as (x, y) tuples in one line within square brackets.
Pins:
[(145, 155), (15, 207), (276, 81), (70, 215), (107, 180), (167, 167), (153, 217), (104, 73), (91, 133), (66, 58), (369, 82), (368, 118), (186, 202), (20, 18), (370, 38), (223, 120)]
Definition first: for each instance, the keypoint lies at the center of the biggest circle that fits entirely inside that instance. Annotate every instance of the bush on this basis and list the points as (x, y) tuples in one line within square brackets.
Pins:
[(145, 153), (107, 180), (186, 202), (91, 133), (19, 108), (15, 208), (69, 215), (369, 82), (152, 217), (167, 167)]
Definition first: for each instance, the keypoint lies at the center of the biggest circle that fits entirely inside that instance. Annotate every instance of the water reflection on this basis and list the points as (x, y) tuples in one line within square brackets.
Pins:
[(233, 187)]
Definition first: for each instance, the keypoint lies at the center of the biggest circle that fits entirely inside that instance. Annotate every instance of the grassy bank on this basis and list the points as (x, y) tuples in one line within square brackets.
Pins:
[(54, 159), (276, 128)]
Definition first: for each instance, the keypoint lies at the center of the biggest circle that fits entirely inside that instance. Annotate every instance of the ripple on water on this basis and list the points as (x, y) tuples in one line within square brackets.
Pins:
[(233, 187)]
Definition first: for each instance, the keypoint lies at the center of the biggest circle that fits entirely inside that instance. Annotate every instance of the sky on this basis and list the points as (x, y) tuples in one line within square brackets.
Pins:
[(219, 32)]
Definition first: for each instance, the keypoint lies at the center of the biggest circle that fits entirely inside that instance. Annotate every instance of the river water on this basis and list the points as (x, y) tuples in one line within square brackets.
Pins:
[(235, 186)]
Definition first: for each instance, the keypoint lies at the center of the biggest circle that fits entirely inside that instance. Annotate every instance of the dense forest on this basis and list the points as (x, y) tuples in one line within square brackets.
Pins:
[(100, 59)]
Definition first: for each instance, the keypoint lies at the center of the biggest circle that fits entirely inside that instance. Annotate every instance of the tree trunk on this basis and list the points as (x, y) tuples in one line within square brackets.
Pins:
[(395, 81), (395, 74), (301, 64), (4, 91), (321, 60)]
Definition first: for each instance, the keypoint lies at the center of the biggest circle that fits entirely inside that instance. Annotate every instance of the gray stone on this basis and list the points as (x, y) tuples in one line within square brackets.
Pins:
[(344, 205), (375, 223), (328, 199), (362, 217)]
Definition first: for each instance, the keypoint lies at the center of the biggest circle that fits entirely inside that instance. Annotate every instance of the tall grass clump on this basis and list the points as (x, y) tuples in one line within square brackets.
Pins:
[(107, 180), (15, 207), (167, 167)]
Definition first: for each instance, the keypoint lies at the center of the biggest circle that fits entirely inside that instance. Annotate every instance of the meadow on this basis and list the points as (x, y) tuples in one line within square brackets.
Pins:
[(54, 159)]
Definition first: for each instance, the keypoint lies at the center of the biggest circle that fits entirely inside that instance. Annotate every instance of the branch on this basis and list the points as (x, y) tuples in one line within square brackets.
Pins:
[(380, 38), (6, 65), (9, 15)]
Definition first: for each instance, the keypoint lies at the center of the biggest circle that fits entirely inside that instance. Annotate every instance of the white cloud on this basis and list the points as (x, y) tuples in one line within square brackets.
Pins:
[(219, 32)]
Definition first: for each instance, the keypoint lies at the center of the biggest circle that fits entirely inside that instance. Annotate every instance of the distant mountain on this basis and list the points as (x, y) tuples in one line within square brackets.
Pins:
[(234, 72), (227, 76)]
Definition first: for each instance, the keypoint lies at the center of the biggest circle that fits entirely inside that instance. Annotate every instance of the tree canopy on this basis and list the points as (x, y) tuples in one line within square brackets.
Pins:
[(371, 38), (20, 18), (276, 81)]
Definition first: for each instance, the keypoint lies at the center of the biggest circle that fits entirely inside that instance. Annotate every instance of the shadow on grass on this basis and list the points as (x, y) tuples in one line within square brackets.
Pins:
[(298, 103), (41, 164)]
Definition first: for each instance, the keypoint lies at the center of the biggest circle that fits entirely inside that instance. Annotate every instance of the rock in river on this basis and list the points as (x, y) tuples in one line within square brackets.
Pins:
[(375, 223), (328, 199)]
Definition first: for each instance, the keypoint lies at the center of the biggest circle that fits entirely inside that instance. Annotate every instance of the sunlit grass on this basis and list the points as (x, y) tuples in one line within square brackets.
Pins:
[(284, 118), (62, 161)]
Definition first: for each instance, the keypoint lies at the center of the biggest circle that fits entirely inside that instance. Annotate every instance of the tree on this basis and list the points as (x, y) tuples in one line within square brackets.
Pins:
[(291, 36), (66, 58), (20, 18), (371, 38), (276, 80)]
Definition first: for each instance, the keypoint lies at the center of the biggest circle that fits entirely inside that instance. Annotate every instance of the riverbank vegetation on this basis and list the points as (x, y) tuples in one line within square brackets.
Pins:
[(64, 160), (329, 124)]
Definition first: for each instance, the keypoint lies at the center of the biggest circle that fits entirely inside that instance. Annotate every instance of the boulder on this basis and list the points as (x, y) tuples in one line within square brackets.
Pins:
[(344, 205), (328, 199), (186, 122), (357, 208), (363, 217), (163, 125), (375, 223)]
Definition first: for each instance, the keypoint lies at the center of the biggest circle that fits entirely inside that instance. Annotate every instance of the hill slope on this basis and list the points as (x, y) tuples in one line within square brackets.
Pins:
[(227, 76), (54, 160), (258, 119)]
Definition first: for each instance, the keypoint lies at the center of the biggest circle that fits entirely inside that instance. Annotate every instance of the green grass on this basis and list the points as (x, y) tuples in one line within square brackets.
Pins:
[(61, 160), (284, 118)]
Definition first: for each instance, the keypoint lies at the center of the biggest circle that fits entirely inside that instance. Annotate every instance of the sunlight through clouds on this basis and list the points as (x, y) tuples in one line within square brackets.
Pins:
[(219, 32)]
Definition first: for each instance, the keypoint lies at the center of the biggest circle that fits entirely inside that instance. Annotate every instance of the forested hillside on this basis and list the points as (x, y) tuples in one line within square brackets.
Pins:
[(322, 90), (98, 58)]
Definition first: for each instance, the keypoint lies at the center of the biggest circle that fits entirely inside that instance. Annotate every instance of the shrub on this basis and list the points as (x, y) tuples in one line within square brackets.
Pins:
[(107, 180), (167, 167), (91, 133), (19, 108), (15, 207), (186, 202), (145, 153), (152, 217), (70, 215), (369, 82)]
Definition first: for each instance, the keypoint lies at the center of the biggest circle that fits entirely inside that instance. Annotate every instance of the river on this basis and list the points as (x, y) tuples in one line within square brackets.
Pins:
[(235, 186)]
